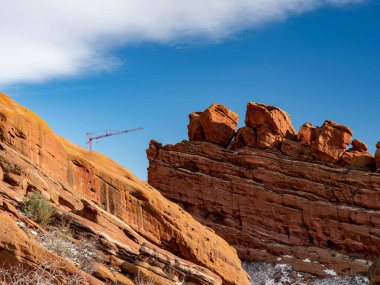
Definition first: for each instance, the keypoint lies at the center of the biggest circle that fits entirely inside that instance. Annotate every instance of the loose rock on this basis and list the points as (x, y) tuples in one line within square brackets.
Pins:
[(216, 124), (359, 145), (270, 123)]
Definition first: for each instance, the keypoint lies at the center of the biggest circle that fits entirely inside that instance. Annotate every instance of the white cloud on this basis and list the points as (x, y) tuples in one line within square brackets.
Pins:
[(45, 39)]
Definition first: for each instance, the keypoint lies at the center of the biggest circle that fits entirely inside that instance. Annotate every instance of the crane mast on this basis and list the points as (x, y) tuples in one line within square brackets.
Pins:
[(91, 138)]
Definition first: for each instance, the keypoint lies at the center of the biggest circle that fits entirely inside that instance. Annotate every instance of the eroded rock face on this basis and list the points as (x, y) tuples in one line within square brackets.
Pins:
[(245, 137), (194, 128), (295, 149), (359, 145), (216, 124), (275, 195), (270, 206), (306, 134), (17, 248), (377, 157), (269, 127), (358, 159), (331, 141), (130, 219), (271, 124)]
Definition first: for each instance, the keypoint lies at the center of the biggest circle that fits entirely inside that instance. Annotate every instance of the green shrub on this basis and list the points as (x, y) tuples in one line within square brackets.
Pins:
[(38, 208)]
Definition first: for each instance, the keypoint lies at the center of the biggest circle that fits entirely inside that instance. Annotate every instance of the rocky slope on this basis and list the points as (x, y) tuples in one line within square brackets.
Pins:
[(275, 194), (134, 228)]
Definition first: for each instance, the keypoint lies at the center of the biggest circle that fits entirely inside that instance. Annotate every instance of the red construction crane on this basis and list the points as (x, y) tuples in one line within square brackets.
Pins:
[(91, 138)]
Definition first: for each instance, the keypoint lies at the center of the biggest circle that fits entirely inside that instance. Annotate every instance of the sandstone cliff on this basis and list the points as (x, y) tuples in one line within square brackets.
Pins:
[(275, 194), (135, 229)]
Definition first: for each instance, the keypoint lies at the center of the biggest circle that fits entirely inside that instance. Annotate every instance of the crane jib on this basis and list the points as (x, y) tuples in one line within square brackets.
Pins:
[(91, 138)]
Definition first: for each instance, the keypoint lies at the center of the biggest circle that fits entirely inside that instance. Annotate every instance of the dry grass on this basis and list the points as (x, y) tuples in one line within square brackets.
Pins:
[(82, 255), (140, 279), (48, 273)]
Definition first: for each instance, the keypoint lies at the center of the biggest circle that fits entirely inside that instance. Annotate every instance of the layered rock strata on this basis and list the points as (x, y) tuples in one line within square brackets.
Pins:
[(135, 228), (278, 195)]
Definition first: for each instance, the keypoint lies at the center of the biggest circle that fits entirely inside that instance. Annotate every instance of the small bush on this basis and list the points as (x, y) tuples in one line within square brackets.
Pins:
[(38, 208)]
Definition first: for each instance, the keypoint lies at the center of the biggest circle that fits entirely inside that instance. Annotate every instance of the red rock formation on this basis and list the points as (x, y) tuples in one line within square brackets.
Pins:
[(359, 145), (216, 124), (245, 137), (358, 159), (330, 141), (17, 247), (306, 199), (271, 124), (137, 229), (306, 134), (377, 157), (195, 128)]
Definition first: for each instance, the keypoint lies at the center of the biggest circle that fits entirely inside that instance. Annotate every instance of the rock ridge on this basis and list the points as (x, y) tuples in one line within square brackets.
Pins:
[(276, 194), (134, 227)]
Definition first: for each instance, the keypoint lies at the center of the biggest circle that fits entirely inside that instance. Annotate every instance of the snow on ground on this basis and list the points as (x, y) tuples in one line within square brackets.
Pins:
[(282, 274)]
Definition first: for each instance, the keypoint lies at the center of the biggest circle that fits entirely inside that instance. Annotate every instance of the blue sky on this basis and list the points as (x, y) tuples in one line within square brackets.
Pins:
[(319, 64)]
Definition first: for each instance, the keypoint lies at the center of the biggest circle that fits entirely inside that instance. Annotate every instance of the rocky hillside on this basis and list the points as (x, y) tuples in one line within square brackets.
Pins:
[(133, 231), (307, 198)]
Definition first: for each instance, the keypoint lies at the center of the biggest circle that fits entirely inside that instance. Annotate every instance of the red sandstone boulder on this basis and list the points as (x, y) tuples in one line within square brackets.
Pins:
[(272, 124), (377, 157), (194, 127), (331, 141), (359, 145), (245, 137), (216, 124), (358, 159), (305, 136)]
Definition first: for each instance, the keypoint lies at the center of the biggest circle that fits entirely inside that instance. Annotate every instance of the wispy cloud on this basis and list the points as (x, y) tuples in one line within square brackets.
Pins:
[(45, 39)]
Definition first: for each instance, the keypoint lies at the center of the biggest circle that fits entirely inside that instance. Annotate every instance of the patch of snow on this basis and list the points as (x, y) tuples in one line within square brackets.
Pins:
[(364, 261), (283, 274), (307, 260), (21, 224), (34, 233), (347, 280), (330, 272)]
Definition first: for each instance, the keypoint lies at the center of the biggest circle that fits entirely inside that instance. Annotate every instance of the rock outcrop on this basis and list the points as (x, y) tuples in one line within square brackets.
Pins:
[(330, 141), (377, 157), (269, 123), (216, 124), (358, 145), (275, 195), (134, 227)]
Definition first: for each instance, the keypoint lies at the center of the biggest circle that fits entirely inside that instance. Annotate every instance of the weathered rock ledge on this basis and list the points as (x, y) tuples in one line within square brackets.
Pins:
[(276, 194), (135, 228)]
